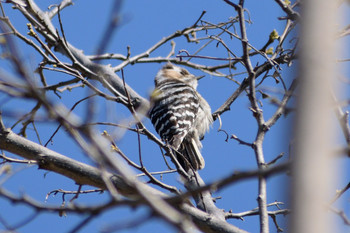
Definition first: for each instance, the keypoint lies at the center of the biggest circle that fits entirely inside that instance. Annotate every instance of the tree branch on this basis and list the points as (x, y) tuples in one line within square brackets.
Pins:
[(84, 174)]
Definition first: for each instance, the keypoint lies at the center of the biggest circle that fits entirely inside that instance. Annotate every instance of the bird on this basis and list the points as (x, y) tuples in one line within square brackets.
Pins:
[(180, 115)]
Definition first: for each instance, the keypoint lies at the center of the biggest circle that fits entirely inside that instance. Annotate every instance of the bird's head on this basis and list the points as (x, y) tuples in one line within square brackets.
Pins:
[(170, 71)]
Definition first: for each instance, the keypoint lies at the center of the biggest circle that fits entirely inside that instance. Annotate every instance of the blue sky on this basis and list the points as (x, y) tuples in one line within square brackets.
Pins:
[(143, 24)]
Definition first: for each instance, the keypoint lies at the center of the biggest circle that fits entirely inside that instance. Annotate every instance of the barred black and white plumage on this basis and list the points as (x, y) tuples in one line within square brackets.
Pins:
[(180, 114)]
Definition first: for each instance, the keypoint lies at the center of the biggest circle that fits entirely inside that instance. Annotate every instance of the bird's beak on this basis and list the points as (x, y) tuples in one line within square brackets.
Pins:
[(199, 77)]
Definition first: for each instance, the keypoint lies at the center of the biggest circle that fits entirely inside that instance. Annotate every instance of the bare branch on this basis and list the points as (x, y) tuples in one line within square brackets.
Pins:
[(84, 174)]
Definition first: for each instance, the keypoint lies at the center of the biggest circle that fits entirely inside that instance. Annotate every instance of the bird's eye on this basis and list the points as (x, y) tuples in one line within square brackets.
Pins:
[(168, 67), (184, 72)]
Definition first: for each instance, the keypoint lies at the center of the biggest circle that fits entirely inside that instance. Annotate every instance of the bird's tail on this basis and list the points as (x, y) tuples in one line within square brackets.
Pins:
[(189, 154)]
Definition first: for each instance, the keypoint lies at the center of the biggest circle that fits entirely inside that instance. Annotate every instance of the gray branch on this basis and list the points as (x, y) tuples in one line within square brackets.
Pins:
[(84, 174)]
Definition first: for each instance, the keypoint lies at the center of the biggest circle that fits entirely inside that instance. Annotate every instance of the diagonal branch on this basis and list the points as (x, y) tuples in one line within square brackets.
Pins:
[(103, 73), (84, 174)]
